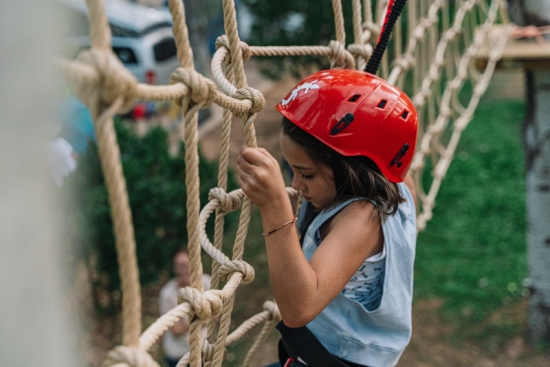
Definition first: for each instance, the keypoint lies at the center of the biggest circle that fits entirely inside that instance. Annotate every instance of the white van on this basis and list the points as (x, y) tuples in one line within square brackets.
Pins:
[(142, 37)]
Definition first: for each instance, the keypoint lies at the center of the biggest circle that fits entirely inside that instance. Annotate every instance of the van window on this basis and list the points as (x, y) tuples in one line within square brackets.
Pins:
[(126, 55), (165, 49)]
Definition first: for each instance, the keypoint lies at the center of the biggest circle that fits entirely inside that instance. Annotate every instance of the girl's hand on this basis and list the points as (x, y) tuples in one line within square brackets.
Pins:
[(260, 177)]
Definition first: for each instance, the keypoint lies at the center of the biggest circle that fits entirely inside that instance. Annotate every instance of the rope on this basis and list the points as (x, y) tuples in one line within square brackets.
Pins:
[(106, 87)]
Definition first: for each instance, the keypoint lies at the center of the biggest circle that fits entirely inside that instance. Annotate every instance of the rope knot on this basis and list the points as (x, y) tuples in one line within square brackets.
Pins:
[(205, 305), (340, 57), (228, 268), (132, 356), (202, 90), (115, 81), (228, 203), (223, 41), (254, 95), (273, 309), (405, 62), (364, 51)]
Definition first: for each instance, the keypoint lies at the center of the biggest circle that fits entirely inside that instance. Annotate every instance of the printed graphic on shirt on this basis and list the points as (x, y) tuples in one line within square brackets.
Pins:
[(366, 286)]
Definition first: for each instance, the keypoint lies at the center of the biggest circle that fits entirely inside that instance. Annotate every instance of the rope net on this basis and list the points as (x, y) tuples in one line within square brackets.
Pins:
[(429, 56)]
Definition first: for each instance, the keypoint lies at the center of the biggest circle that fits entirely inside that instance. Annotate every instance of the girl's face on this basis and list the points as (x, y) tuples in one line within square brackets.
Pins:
[(316, 182)]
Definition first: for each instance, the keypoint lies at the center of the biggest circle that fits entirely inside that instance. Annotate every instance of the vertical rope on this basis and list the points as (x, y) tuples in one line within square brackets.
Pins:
[(339, 21), (181, 33), (100, 32), (192, 183), (109, 155), (367, 10), (222, 183), (412, 26), (398, 47), (230, 24), (358, 31)]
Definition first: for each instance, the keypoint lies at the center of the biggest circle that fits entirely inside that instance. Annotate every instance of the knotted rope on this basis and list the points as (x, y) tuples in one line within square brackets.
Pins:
[(131, 356), (104, 85)]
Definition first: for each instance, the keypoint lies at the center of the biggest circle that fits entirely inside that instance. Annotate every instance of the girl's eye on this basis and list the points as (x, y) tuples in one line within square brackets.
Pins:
[(307, 177)]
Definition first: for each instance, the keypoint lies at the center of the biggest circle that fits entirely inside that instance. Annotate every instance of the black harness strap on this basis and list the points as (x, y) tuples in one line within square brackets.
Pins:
[(306, 216), (300, 343)]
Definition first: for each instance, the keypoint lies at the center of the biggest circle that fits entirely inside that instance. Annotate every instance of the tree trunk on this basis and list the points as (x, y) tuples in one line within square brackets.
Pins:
[(537, 152), (537, 149)]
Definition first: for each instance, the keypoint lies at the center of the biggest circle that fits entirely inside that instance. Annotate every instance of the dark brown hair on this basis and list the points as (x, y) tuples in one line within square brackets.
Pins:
[(353, 176), (178, 250)]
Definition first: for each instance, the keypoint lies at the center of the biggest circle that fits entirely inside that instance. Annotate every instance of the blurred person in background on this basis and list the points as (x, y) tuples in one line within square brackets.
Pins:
[(175, 342)]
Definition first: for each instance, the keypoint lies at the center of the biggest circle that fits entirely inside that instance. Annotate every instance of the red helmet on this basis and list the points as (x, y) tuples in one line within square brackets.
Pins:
[(356, 114)]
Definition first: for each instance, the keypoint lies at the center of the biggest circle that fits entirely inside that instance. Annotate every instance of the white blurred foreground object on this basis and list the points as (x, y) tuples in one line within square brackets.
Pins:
[(34, 326), (61, 158)]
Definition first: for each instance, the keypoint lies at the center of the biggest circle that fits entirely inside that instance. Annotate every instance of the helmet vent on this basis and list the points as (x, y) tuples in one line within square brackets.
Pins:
[(405, 114), (354, 98), (382, 104)]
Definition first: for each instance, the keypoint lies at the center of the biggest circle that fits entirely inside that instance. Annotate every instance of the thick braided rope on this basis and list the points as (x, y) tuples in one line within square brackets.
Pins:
[(109, 154), (193, 92), (339, 21), (360, 48), (236, 61), (191, 139), (222, 185)]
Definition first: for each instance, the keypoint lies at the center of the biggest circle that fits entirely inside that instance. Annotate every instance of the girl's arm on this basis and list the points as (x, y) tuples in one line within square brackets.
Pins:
[(303, 289)]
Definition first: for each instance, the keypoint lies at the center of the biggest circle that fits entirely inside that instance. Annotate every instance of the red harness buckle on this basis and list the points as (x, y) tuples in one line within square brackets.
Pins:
[(288, 362)]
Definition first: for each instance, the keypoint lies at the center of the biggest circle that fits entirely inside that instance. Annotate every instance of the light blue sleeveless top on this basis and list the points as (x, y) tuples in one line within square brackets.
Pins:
[(375, 337)]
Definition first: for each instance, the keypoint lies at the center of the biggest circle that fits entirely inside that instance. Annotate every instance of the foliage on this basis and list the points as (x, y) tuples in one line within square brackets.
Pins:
[(472, 253), (157, 193), (294, 22)]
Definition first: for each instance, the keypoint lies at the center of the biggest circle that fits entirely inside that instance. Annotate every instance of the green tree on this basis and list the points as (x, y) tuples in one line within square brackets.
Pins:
[(156, 188), (291, 22)]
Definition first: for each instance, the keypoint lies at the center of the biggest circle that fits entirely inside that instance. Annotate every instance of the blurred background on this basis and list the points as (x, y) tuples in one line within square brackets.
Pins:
[(472, 279)]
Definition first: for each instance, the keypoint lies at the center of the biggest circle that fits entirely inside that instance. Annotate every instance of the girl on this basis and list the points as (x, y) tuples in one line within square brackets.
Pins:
[(344, 289)]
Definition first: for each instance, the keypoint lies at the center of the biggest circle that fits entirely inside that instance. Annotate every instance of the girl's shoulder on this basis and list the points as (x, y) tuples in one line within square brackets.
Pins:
[(355, 212)]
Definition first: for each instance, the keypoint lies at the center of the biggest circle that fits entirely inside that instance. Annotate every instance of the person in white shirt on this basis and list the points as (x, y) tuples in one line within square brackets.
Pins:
[(175, 342)]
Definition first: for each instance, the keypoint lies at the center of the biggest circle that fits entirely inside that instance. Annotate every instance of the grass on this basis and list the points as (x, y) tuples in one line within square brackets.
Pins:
[(472, 253)]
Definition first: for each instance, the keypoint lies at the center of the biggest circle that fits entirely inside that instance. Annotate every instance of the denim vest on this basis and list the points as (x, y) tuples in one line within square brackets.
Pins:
[(374, 338)]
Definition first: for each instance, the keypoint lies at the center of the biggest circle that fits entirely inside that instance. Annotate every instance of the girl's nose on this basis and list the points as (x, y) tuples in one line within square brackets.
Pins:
[(297, 184)]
